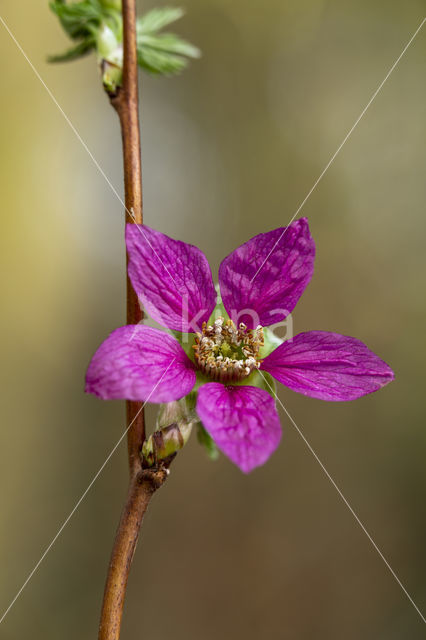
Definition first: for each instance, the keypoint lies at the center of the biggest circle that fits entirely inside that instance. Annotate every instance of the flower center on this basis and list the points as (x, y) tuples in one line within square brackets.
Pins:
[(226, 353)]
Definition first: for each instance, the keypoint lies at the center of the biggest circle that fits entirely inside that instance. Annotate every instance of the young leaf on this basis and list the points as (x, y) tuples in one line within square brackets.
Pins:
[(74, 53), (97, 24), (169, 42), (161, 62), (158, 18), (79, 19), (164, 53)]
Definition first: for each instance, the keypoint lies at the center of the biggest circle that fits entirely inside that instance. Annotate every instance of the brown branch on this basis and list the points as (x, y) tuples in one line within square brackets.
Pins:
[(142, 487), (126, 103), (143, 482)]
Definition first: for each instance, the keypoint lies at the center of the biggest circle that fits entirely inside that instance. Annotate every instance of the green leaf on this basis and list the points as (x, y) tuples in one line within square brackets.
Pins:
[(160, 62), (82, 49), (97, 24), (79, 19), (206, 441), (271, 342), (261, 380), (169, 42), (163, 53), (157, 19)]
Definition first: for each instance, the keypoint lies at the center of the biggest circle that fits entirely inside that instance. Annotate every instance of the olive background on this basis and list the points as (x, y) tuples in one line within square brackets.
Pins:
[(230, 149)]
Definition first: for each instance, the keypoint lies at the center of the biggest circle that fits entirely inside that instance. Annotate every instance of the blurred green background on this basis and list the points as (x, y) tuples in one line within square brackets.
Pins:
[(230, 149)]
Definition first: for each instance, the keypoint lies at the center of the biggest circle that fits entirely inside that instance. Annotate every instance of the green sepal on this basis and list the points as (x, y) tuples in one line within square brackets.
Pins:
[(219, 311), (271, 341), (261, 380), (207, 442), (186, 341)]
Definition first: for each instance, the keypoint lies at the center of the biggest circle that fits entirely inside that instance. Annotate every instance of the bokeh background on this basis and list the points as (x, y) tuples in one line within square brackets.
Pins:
[(230, 149)]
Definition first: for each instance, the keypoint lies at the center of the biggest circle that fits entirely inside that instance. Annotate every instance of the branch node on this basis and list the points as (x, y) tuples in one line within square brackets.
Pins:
[(155, 477)]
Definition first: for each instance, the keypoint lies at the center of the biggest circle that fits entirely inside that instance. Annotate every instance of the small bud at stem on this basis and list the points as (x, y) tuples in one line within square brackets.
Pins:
[(174, 425), (165, 443)]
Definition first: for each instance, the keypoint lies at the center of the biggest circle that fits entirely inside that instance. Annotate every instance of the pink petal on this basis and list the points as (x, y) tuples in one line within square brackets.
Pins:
[(140, 363), (263, 279), (243, 422), (328, 366), (172, 279)]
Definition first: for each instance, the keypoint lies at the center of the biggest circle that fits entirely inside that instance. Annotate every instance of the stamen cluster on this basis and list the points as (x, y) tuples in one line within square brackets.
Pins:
[(225, 353)]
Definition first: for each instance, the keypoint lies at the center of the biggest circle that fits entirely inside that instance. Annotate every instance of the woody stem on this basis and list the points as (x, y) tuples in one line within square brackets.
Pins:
[(142, 483)]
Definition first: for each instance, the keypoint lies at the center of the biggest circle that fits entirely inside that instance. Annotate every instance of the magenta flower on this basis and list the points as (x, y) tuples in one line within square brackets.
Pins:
[(231, 353)]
